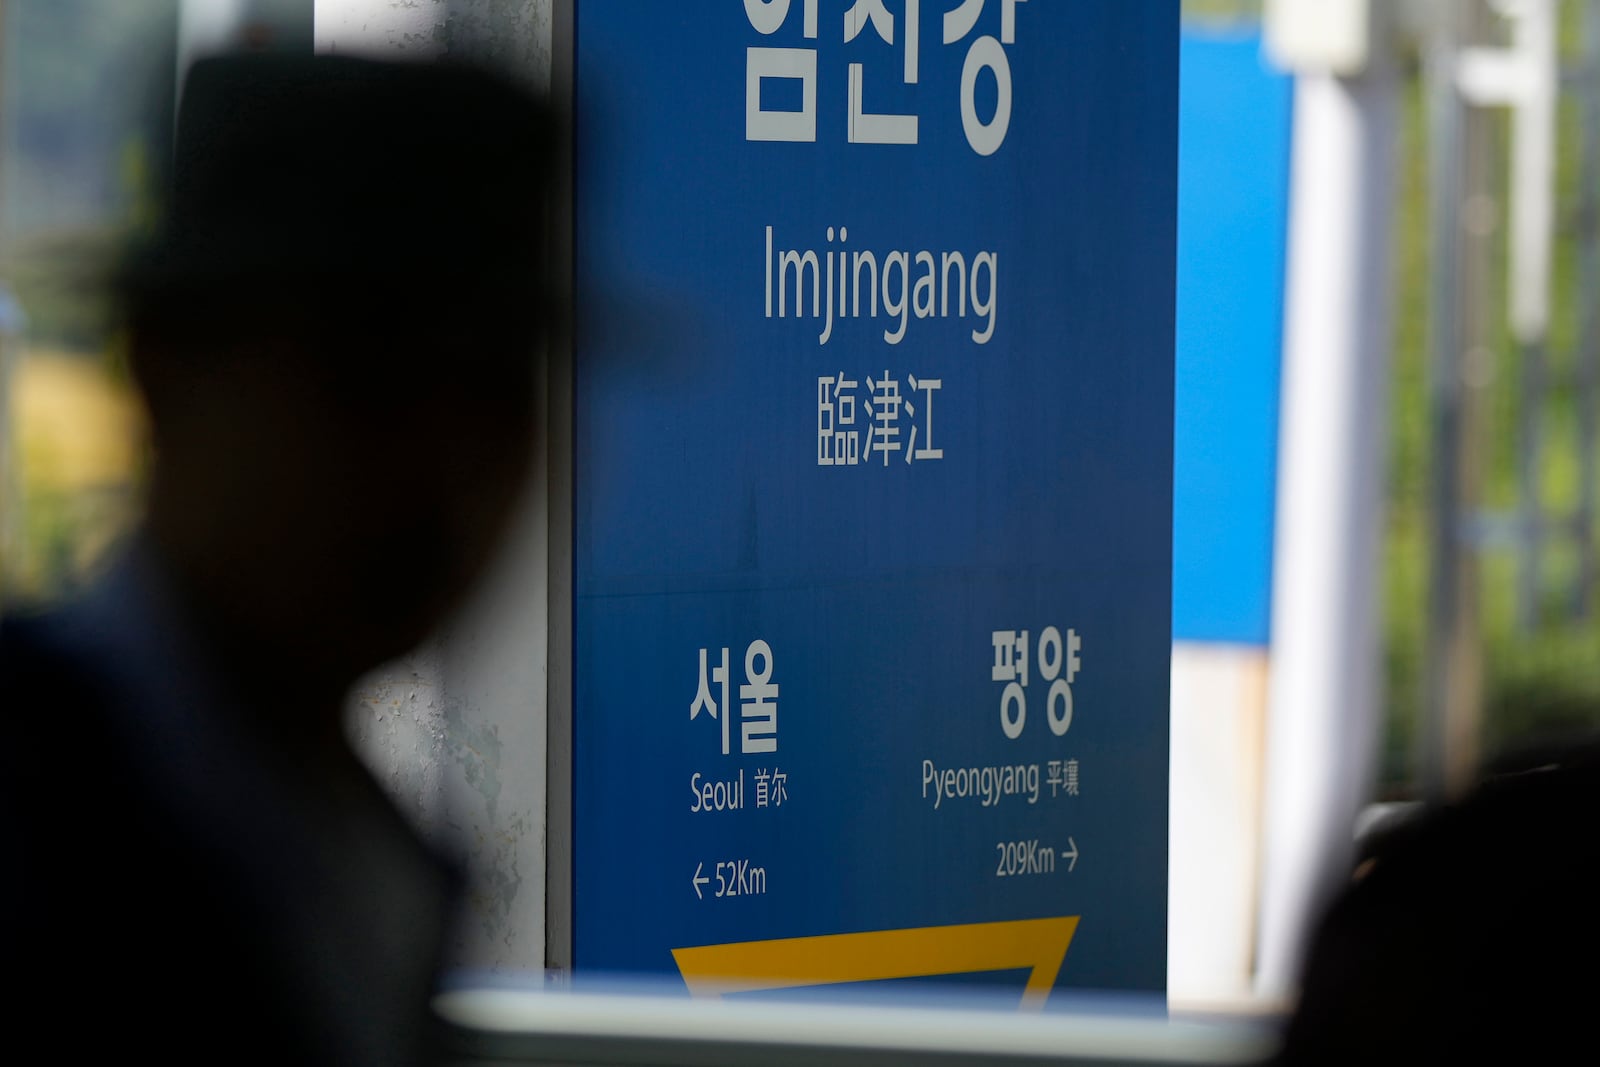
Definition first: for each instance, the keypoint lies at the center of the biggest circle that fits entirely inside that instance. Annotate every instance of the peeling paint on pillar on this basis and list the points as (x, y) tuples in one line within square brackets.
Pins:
[(493, 749), (511, 35), (394, 722), (391, 28), (456, 731)]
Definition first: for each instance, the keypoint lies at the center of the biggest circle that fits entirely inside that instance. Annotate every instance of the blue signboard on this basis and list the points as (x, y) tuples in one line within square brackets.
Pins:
[(874, 405)]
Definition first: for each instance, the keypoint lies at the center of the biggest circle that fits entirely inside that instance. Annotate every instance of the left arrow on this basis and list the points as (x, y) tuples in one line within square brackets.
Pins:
[(698, 880)]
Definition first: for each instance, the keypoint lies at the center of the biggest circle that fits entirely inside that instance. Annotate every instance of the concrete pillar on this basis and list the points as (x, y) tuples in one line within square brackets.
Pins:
[(1324, 709), (457, 730)]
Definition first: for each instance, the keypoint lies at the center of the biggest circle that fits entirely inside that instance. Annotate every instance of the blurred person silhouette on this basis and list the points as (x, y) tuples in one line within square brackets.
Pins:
[(1469, 932), (336, 330)]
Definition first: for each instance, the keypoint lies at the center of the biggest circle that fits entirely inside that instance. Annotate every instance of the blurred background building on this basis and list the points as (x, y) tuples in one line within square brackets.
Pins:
[(1388, 375)]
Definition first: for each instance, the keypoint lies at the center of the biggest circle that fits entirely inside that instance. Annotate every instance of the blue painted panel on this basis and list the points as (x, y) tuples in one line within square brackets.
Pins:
[(1234, 127)]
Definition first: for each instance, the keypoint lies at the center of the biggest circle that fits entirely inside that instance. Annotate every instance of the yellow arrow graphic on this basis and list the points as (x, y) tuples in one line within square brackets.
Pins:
[(879, 955)]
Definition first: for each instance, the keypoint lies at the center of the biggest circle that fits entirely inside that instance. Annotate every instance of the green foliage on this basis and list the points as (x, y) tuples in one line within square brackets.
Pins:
[(1540, 684), (61, 279), (1222, 10)]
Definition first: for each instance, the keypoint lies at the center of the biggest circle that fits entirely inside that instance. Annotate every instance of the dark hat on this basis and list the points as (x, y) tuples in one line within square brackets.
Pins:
[(308, 172)]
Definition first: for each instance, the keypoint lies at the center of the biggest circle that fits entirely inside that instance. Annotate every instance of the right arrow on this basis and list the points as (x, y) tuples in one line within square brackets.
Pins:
[(1072, 856), (697, 881)]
